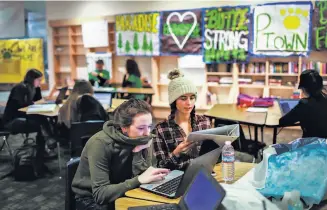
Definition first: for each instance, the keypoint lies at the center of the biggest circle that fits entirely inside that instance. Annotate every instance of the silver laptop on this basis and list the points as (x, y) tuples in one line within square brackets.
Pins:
[(176, 182), (219, 135), (104, 98), (287, 105)]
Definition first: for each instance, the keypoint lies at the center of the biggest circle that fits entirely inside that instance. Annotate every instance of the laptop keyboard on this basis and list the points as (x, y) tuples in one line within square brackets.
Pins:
[(163, 207), (170, 186)]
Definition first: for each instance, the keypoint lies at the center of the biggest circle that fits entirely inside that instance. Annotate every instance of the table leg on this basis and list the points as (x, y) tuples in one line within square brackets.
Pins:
[(262, 134), (250, 132), (275, 135), (256, 133)]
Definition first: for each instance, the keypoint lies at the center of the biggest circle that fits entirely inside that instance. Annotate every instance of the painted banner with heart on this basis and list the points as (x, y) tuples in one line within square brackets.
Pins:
[(226, 34), (319, 38), (137, 34), (181, 32)]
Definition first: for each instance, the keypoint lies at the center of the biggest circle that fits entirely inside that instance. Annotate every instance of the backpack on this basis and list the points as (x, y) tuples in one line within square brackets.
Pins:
[(27, 162)]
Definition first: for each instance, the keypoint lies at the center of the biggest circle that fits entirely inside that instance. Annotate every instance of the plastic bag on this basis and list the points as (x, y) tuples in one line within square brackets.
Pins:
[(300, 165)]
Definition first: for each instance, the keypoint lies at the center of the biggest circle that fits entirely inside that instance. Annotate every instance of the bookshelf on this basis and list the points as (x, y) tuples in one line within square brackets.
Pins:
[(69, 53), (221, 83)]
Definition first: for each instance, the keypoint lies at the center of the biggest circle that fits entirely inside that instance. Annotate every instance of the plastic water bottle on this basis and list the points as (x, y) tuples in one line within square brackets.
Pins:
[(228, 159), (96, 84), (295, 201)]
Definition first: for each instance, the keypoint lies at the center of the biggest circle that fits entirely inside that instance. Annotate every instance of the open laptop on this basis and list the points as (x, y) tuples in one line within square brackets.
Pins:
[(287, 105), (204, 193), (176, 182), (60, 98), (104, 98)]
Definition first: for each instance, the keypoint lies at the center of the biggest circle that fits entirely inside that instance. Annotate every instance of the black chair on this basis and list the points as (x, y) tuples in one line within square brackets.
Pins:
[(5, 134), (71, 168), (80, 132)]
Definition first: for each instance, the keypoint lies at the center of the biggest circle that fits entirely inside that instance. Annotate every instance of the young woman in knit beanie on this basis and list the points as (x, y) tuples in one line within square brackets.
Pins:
[(170, 146)]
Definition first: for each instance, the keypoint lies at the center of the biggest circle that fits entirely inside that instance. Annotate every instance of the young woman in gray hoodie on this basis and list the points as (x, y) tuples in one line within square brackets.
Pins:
[(117, 158)]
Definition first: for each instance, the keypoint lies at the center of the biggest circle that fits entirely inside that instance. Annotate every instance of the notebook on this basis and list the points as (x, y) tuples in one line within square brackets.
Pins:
[(41, 108)]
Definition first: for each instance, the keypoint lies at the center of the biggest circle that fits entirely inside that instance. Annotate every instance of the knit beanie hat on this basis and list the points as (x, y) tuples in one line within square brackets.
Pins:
[(179, 85)]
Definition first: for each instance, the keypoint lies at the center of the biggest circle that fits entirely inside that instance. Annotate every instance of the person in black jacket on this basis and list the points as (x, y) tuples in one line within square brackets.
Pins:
[(22, 95), (311, 111)]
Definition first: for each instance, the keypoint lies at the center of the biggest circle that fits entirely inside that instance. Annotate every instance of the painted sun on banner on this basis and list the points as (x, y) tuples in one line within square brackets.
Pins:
[(226, 34), (19, 55), (282, 29), (137, 34)]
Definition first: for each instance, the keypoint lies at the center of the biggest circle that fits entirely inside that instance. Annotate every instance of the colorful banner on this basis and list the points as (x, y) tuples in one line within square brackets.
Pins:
[(319, 38), (181, 32), (226, 34), (282, 29), (137, 34), (19, 55)]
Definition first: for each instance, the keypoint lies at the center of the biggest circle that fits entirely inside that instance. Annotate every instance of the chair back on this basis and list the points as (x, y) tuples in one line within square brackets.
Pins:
[(80, 132), (71, 169)]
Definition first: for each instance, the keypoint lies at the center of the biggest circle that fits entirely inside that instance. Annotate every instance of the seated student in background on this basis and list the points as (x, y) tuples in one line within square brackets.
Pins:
[(22, 95), (100, 75), (170, 146), (132, 78), (89, 108), (116, 159), (311, 111), (68, 112)]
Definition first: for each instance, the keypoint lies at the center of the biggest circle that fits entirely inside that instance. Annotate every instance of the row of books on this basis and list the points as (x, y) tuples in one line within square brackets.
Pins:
[(319, 66), (252, 68), (288, 68)]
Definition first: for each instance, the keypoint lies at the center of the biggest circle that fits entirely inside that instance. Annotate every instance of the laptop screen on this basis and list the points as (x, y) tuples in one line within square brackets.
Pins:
[(287, 105), (202, 194), (104, 98)]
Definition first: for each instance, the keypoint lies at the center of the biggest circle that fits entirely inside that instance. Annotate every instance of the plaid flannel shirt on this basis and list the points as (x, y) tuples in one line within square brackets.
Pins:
[(168, 136)]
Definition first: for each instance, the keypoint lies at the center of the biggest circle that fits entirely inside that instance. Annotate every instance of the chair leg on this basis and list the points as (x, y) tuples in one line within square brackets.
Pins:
[(9, 149), (59, 159)]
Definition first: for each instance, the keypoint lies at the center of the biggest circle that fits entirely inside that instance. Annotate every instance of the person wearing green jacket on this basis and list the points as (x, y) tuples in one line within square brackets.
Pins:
[(132, 79), (100, 75), (116, 159)]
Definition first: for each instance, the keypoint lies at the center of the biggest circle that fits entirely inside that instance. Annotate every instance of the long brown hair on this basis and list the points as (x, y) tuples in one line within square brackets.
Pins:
[(66, 114)]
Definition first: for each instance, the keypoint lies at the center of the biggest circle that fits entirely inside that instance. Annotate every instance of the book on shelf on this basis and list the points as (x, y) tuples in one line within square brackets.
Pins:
[(253, 68), (318, 66), (286, 68)]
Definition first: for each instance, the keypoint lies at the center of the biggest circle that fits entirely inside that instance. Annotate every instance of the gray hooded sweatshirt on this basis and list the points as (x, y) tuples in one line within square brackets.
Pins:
[(109, 167)]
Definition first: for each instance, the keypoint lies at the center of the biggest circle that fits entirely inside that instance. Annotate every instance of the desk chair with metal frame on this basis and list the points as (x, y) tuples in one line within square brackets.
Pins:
[(80, 132), (71, 168)]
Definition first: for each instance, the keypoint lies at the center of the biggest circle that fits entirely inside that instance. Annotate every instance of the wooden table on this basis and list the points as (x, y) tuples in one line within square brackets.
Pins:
[(124, 203), (146, 91), (240, 170), (114, 105), (232, 112)]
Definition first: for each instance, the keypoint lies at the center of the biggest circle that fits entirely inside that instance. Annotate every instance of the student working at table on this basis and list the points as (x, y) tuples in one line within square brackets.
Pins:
[(100, 76), (116, 159), (80, 106), (22, 95), (311, 111), (170, 146)]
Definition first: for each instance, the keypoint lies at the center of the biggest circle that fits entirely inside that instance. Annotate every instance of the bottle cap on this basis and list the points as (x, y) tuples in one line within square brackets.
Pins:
[(228, 142)]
